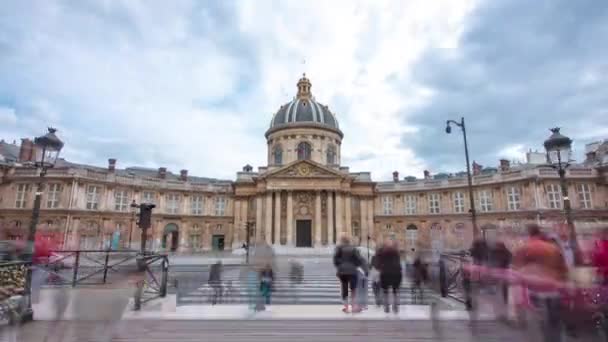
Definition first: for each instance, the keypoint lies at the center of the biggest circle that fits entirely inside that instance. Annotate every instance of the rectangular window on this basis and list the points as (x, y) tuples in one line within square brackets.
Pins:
[(93, 197), (584, 195), (121, 200), (220, 206), (458, 198), (387, 205), (410, 204), (485, 200), (172, 203), (195, 241), (149, 197), (513, 198), (434, 204), (196, 205), (21, 195), (554, 196), (53, 195)]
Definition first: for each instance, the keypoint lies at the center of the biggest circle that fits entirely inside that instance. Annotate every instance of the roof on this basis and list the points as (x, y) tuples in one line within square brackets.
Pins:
[(304, 108), (9, 152), (138, 171)]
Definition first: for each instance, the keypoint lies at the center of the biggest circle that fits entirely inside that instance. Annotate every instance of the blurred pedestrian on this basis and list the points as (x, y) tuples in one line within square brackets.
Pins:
[(215, 281), (346, 260), (389, 264), (499, 257), (543, 259), (266, 284), (361, 291), (600, 257), (374, 276), (420, 275), (296, 276)]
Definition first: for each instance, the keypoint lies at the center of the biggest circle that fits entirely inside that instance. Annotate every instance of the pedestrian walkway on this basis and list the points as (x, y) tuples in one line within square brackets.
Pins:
[(272, 331)]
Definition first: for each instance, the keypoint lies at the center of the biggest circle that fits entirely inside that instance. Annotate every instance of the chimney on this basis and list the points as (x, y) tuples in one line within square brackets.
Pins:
[(505, 165), (476, 168), (183, 175), (395, 176), (162, 172), (111, 164), (427, 174), (26, 151)]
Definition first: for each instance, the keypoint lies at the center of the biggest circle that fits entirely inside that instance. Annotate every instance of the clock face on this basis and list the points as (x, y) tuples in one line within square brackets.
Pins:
[(304, 170)]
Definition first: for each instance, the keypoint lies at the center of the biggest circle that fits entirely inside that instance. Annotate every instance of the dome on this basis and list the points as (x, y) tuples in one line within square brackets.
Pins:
[(304, 109)]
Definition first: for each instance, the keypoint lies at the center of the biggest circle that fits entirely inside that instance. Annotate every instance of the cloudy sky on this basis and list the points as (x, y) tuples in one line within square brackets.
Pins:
[(194, 84)]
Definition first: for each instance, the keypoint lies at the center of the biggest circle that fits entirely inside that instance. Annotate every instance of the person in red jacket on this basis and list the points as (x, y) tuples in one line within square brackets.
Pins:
[(600, 257)]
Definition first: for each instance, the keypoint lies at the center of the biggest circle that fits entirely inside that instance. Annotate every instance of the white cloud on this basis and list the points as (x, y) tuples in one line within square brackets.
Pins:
[(174, 84), (7, 116)]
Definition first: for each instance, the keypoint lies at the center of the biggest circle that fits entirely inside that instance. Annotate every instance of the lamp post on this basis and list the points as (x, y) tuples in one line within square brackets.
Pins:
[(448, 130), (559, 150), (368, 238), (134, 207), (50, 146), (47, 148)]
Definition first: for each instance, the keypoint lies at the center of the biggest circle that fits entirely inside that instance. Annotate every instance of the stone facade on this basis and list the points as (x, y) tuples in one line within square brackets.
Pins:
[(303, 198)]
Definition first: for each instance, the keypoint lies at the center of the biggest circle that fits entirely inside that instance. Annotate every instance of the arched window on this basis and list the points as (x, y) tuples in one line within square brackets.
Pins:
[(331, 155), (411, 237), (304, 151), (277, 155)]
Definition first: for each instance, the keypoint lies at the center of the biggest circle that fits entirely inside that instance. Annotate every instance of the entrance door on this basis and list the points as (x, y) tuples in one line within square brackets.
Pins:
[(303, 233), (218, 242)]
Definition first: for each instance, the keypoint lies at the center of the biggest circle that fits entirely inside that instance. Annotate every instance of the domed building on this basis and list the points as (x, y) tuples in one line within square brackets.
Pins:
[(302, 198)]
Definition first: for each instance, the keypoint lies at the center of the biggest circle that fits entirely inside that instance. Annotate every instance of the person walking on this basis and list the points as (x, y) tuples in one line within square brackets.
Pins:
[(374, 275), (296, 275), (389, 264), (266, 283), (544, 260), (361, 291), (346, 260), (215, 281)]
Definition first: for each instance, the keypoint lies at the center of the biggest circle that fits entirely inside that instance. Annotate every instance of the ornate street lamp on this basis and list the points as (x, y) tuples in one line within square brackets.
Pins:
[(559, 150), (448, 130), (49, 146)]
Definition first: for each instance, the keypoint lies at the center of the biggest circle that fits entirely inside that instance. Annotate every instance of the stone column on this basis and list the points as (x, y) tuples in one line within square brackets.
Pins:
[(290, 218), (318, 222), (348, 218), (370, 218), (238, 224), (330, 218), (244, 220), (258, 218), (268, 219), (75, 238), (277, 218), (339, 215), (363, 225)]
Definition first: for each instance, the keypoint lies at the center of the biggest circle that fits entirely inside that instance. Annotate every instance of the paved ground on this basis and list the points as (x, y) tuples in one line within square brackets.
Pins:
[(270, 331)]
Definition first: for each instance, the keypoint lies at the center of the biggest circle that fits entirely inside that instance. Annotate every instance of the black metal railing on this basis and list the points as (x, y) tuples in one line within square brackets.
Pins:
[(97, 267), (153, 285), (15, 291), (454, 282)]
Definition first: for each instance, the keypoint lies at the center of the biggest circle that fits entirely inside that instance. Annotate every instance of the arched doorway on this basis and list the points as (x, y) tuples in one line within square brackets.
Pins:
[(411, 237), (436, 240), (171, 232)]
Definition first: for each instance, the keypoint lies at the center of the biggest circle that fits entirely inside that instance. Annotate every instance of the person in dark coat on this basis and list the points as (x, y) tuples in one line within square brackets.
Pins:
[(389, 264), (346, 260)]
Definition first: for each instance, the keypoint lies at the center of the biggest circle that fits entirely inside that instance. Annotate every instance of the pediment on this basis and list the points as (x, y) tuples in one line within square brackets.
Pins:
[(304, 169)]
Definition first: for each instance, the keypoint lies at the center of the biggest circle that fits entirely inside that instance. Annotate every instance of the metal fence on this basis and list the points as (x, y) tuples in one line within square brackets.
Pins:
[(454, 282)]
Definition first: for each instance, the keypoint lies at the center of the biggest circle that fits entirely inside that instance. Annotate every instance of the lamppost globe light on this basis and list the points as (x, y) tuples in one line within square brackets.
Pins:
[(448, 128), (558, 147), (50, 146)]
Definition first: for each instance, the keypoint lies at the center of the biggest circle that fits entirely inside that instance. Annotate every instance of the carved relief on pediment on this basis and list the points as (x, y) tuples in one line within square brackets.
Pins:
[(304, 170)]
